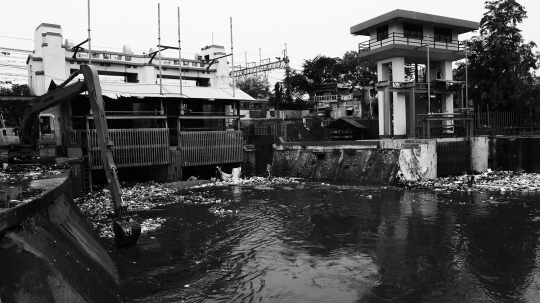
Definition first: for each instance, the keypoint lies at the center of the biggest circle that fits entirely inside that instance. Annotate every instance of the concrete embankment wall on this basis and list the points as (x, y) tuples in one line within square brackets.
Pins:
[(516, 153), (365, 161), (50, 253)]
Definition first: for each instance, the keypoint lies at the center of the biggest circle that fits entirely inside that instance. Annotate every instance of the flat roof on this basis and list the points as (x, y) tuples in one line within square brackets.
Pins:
[(462, 26)]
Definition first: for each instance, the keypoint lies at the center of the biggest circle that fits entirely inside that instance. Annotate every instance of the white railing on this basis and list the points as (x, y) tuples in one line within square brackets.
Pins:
[(402, 39)]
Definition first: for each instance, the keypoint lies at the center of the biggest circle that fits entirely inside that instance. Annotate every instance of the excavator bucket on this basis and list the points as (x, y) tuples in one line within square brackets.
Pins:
[(126, 231)]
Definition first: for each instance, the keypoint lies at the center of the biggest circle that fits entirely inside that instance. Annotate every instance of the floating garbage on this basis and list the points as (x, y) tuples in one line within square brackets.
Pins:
[(502, 181)]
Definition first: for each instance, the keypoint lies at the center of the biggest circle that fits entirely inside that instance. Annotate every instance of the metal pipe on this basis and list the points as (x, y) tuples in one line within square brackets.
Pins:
[(159, 50), (466, 76), (427, 74), (89, 40), (232, 59)]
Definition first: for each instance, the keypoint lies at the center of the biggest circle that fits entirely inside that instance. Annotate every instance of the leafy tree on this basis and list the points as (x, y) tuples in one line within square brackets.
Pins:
[(356, 70), (256, 86), (322, 69), (11, 110), (500, 62)]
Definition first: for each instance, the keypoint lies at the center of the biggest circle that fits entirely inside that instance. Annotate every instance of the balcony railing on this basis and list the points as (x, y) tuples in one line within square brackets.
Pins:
[(333, 98), (326, 98), (402, 39)]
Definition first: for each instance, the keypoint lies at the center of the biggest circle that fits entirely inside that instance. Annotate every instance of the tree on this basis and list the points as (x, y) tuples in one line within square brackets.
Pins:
[(13, 111), (500, 62), (255, 85), (356, 70), (350, 69)]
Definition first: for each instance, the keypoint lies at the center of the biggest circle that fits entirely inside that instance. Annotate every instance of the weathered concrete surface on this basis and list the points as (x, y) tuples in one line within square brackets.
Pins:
[(366, 161), (479, 154), (49, 253), (248, 166), (365, 165), (418, 160)]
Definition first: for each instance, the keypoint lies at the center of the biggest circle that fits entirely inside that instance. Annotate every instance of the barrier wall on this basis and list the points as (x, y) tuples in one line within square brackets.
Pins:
[(378, 161), (50, 253)]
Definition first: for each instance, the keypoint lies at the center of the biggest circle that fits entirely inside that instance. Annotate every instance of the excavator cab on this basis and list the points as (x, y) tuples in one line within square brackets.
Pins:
[(8, 135), (47, 138)]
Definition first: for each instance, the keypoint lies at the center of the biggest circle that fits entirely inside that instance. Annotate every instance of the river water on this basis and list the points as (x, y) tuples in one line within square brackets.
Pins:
[(310, 242)]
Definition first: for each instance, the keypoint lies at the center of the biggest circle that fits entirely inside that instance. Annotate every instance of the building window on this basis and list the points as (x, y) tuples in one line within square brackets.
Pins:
[(442, 34), (193, 63), (413, 30), (382, 32), (106, 56), (185, 63), (176, 62), (202, 64)]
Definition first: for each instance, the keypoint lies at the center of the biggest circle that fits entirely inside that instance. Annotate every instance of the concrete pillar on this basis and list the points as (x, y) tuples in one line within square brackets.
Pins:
[(399, 105), (383, 73), (479, 154), (447, 99), (149, 74)]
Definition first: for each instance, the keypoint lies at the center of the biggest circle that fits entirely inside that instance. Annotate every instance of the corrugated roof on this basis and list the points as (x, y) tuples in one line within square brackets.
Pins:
[(117, 90)]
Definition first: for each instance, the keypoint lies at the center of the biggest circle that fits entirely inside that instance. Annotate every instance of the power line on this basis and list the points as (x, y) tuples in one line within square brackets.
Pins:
[(17, 38), (15, 49)]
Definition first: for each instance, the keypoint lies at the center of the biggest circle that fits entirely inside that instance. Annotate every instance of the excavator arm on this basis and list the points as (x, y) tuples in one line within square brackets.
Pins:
[(126, 230)]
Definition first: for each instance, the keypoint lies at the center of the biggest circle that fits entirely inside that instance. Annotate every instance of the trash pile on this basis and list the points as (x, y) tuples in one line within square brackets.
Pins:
[(98, 207), (488, 181), (29, 172), (256, 181)]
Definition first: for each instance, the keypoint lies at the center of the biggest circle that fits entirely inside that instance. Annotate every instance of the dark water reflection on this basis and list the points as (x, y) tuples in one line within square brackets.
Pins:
[(341, 243)]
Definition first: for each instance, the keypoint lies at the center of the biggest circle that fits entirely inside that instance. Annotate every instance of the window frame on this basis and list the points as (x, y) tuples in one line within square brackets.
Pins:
[(440, 32), (413, 30), (382, 32)]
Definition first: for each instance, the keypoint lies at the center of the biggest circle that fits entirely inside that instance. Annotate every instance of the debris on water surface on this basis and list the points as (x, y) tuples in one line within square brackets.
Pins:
[(98, 207), (252, 181), (488, 181), (30, 172)]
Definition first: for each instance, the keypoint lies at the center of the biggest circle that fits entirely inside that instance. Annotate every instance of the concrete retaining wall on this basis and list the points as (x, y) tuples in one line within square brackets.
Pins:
[(50, 253), (371, 161)]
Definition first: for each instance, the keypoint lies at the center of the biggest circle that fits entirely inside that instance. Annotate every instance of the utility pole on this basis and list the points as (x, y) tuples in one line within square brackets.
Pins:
[(89, 41), (287, 73), (232, 59), (159, 50), (180, 56)]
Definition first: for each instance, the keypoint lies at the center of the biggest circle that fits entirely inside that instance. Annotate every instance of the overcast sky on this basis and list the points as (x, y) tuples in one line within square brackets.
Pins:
[(308, 28)]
